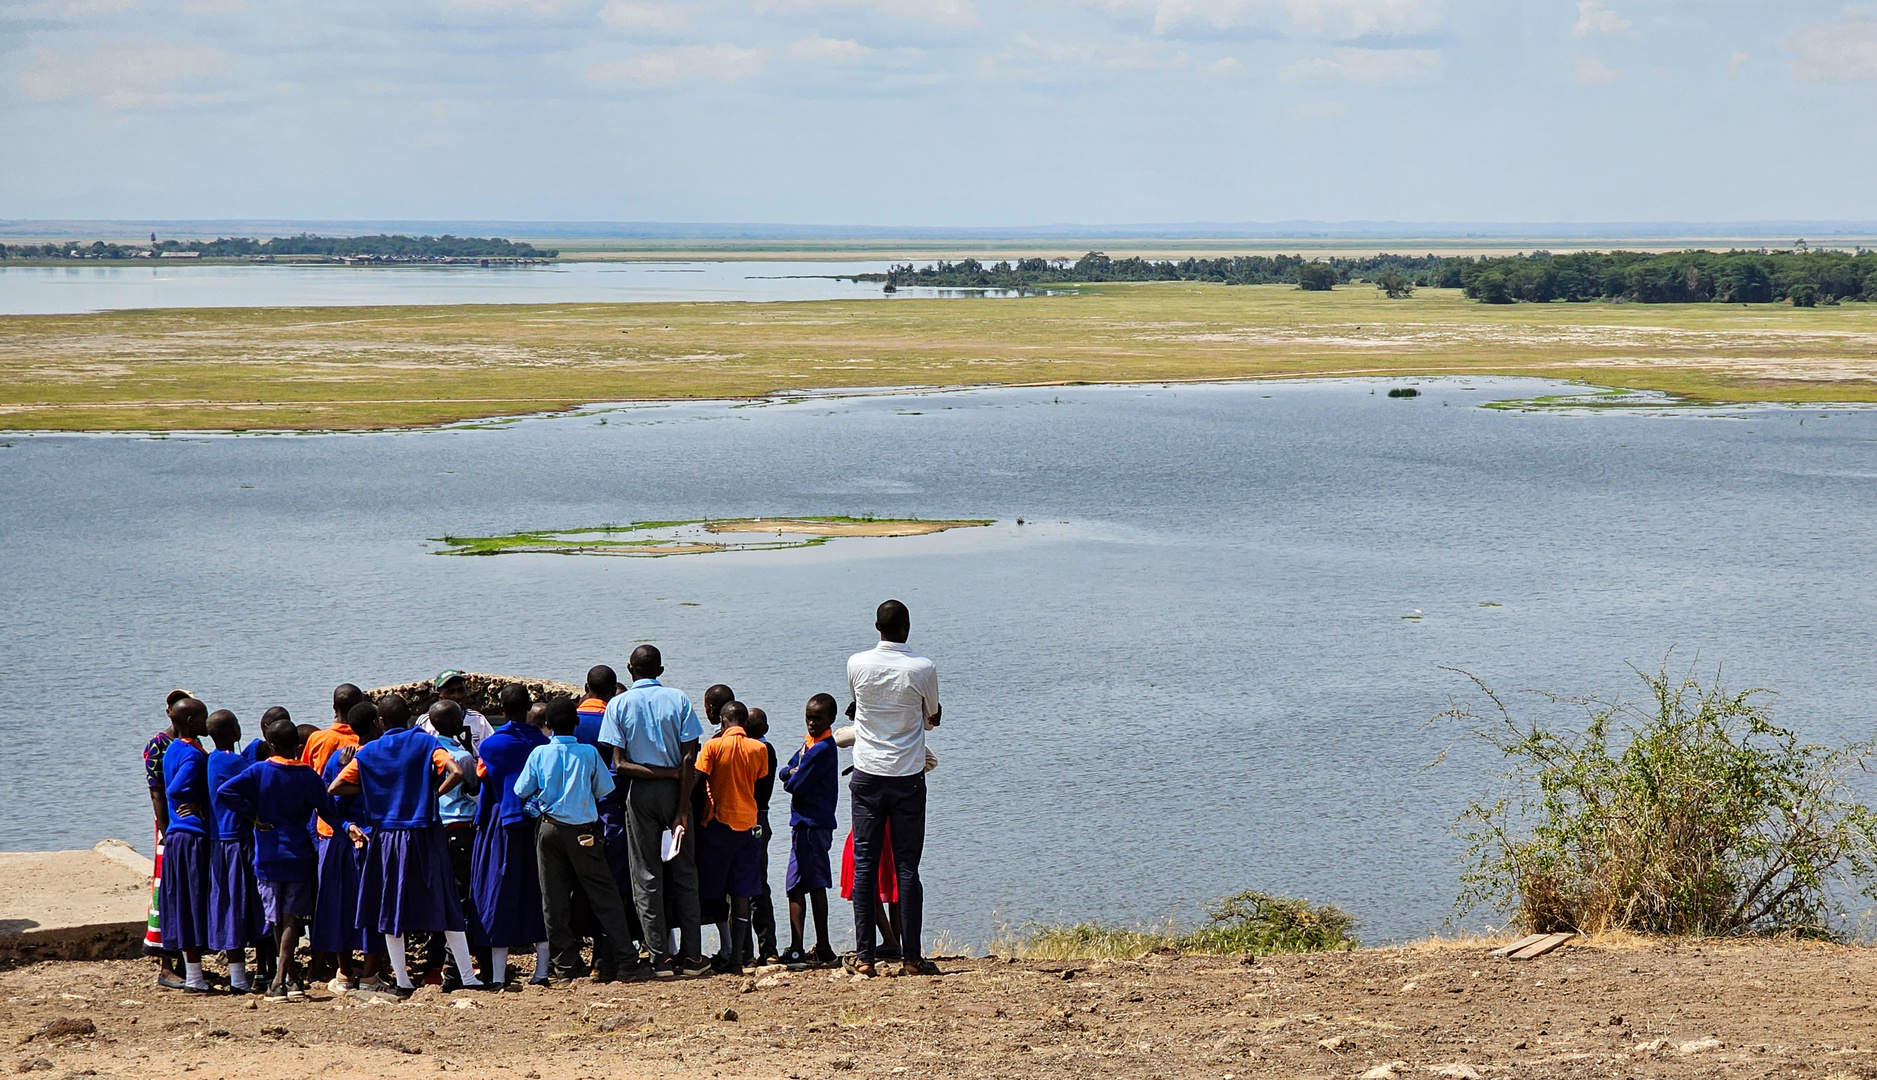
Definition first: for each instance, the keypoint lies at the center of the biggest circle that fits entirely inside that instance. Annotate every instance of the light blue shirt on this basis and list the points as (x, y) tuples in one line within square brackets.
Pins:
[(652, 722), (564, 780), (456, 806)]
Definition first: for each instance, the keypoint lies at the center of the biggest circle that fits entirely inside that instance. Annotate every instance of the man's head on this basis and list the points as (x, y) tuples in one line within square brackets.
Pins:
[(645, 663), (515, 702), (344, 696), (537, 715), (394, 712), (563, 716), (451, 686), (282, 736), (893, 621), (362, 718), (190, 718), (224, 729), (447, 718), (171, 700), (602, 682), (715, 699), (757, 725), (733, 715), (274, 712), (820, 714)]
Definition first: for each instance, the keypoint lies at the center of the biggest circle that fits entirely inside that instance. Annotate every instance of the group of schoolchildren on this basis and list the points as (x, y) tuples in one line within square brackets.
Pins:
[(443, 843)]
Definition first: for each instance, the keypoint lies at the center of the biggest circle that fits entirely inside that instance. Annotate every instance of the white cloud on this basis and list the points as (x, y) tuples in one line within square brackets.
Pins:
[(1335, 19), (1833, 52), (1224, 67), (216, 7), (936, 12), (682, 63), (1594, 18), (828, 50), (1735, 63), (539, 7), (127, 75), (1317, 110), (645, 15), (1589, 69), (1364, 65), (1038, 57)]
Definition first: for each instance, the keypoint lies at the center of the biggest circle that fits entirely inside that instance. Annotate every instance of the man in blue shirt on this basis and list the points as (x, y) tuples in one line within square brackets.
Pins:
[(653, 735), (562, 784)]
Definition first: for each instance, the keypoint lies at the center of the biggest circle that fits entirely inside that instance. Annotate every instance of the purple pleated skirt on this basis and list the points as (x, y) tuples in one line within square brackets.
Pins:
[(407, 884), (505, 887), (335, 904), (235, 917), (184, 899)]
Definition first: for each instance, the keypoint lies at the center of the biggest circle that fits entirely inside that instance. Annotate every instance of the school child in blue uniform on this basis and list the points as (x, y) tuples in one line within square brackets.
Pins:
[(335, 934), (812, 777), (188, 851), (406, 885), (505, 884), (278, 797), (234, 904)]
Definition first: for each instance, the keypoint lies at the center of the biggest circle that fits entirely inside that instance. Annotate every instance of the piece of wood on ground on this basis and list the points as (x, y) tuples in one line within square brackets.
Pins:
[(1541, 947), (1523, 943)]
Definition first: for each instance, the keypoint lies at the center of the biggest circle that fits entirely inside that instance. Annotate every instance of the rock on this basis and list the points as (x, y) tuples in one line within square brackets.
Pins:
[(1653, 1046), (1336, 1044), (726, 1015), (33, 1065), (1699, 1046), (1390, 1071), (64, 1027), (841, 1064), (768, 982), (1410, 986), (464, 1003), (1522, 1044), (622, 1022), (748, 987), (1458, 1070)]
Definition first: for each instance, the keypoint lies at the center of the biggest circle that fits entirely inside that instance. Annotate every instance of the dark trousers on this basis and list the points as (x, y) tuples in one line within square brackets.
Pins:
[(665, 892), (762, 908), (436, 952), (572, 858), (878, 800)]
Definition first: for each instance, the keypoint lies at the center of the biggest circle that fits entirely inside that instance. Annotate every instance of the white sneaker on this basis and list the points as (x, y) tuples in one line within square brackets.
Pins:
[(340, 985)]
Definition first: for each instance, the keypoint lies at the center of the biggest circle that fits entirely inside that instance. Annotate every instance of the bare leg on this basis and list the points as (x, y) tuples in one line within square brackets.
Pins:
[(886, 921), (798, 914), (819, 900)]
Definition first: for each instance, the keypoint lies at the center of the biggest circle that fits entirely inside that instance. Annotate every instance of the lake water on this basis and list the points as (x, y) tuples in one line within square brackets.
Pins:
[(54, 290), (1189, 671)]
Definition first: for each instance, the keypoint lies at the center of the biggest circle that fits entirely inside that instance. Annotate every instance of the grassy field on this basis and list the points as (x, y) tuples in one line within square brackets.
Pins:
[(348, 368)]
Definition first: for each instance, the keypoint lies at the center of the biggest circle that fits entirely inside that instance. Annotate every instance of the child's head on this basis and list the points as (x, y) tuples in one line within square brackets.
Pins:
[(175, 698), (715, 699), (362, 718), (757, 725), (602, 682), (733, 714), (820, 715), (537, 715), (394, 712), (275, 712), (282, 736), (224, 729), (190, 718), (447, 718), (344, 697), (306, 732), (516, 701), (563, 716)]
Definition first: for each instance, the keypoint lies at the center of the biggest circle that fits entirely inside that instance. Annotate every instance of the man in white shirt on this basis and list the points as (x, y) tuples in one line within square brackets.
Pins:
[(452, 686), (895, 702)]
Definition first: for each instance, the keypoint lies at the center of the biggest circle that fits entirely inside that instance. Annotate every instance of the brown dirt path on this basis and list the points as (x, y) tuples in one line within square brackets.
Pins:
[(1761, 1010)]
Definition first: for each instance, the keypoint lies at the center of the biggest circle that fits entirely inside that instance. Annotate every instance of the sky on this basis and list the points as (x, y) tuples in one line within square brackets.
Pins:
[(983, 113)]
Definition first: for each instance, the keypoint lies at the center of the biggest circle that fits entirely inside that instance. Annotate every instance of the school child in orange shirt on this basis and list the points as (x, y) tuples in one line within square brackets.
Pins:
[(729, 853)]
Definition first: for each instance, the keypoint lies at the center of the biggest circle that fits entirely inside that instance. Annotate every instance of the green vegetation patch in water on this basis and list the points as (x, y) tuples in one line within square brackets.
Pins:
[(656, 539)]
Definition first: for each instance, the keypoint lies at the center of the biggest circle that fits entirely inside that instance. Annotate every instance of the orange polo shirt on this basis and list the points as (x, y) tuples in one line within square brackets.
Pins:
[(732, 763), (322, 744)]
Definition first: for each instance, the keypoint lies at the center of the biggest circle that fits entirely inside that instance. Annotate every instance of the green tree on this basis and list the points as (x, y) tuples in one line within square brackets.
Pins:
[(1316, 277)]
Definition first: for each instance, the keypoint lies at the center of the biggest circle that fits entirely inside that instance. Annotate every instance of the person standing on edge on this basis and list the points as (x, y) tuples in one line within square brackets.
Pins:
[(895, 701), (654, 733)]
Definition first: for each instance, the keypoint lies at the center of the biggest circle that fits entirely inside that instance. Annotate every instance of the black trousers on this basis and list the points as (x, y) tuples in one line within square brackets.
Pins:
[(878, 800), (570, 859), (762, 908)]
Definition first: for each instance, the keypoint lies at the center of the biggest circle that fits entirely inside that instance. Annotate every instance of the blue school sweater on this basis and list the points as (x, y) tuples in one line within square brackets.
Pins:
[(225, 765), (397, 777), (502, 756), (281, 797), (186, 780), (351, 807), (813, 777)]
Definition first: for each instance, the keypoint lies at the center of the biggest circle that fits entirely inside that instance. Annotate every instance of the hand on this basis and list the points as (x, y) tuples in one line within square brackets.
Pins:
[(186, 810), (346, 754), (358, 836), (682, 821)]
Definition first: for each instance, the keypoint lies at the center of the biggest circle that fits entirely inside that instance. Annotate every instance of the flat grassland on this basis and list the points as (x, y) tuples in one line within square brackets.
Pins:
[(370, 367)]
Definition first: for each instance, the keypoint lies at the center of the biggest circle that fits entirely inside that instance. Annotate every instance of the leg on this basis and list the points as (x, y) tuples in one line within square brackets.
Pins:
[(908, 846), (739, 933), (798, 914), (819, 899), (681, 879), (864, 793), (594, 877), (886, 925), (650, 805), (556, 874)]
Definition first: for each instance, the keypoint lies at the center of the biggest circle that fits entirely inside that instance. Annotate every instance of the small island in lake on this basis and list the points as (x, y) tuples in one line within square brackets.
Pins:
[(655, 539)]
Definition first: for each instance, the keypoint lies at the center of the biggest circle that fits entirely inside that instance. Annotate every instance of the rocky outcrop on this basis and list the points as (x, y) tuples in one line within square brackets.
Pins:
[(483, 691)]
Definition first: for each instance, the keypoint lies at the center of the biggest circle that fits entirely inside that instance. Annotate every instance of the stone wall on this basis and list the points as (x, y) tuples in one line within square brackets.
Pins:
[(483, 691)]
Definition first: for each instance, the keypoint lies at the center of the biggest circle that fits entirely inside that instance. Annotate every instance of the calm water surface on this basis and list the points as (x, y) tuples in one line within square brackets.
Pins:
[(1187, 673)]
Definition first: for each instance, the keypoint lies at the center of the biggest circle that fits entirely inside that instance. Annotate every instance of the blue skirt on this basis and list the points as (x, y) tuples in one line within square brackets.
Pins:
[(407, 884), (505, 887), (235, 918), (184, 899), (335, 905)]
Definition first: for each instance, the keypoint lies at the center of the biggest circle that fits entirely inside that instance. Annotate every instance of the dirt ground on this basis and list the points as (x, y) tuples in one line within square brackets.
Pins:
[(1759, 1010)]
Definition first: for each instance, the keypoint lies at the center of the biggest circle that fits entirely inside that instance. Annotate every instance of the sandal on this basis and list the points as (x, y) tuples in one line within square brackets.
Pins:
[(854, 965), (919, 966)]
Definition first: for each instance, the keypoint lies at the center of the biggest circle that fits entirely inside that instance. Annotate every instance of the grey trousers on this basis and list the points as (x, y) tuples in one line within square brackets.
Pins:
[(651, 806), (570, 858)]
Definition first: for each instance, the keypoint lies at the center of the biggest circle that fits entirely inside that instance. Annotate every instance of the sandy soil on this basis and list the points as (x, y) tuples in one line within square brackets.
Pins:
[(1591, 1011), (838, 528)]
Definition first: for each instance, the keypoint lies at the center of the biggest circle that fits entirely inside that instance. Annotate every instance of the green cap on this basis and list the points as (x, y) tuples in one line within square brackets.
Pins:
[(444, 678)]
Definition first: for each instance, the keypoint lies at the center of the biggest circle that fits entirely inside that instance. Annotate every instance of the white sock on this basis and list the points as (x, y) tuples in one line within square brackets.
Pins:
[(238, 974), (394, 947), (498, 964), (459, 949), (192, 973), (541, 961), (675, 941)]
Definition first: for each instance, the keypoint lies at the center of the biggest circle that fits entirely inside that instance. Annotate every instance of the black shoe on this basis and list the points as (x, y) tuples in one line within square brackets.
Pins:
[(451, 984), (824, 955), (169, 982), (205, 988), (666, 969), (638, 973), (541, 980), (296, 988), (694, 967), (794, 960), (402, 993), (278, 992)]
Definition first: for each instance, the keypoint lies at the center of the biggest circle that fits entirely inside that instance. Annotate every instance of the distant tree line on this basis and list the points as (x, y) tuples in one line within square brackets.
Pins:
[(381, 246), (1683, 277)]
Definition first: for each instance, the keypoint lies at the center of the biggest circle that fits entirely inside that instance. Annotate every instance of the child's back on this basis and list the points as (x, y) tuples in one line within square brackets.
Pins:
[(223, 766)]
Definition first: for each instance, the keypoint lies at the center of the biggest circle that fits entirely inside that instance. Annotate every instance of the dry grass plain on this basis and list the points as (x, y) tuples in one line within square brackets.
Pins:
[(371, 367)]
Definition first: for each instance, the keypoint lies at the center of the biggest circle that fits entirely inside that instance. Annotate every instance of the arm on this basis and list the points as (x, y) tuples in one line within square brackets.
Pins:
[(446, 765), (624, 766), (240, 793), (177, 788), (160, 807), (346, 783), (527, 781), (472, 779), (687, 779)]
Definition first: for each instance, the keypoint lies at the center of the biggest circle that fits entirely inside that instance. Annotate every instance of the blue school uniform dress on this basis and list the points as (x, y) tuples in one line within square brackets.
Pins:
[(235, 919), (504, 883), (188, 848), (335, 926), (407, 885), (280, 797), (813, 779)]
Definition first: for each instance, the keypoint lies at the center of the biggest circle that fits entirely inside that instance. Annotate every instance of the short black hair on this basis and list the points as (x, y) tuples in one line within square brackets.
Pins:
[(602, 681), (363, 715), (563, 716), (394, 711), (892, 618), (825, 703), (224, 728), (282, 735), (273, 713), (515, 700), (716, 697), (757, 725), (645, 658), (344, 696), (733, 712)]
